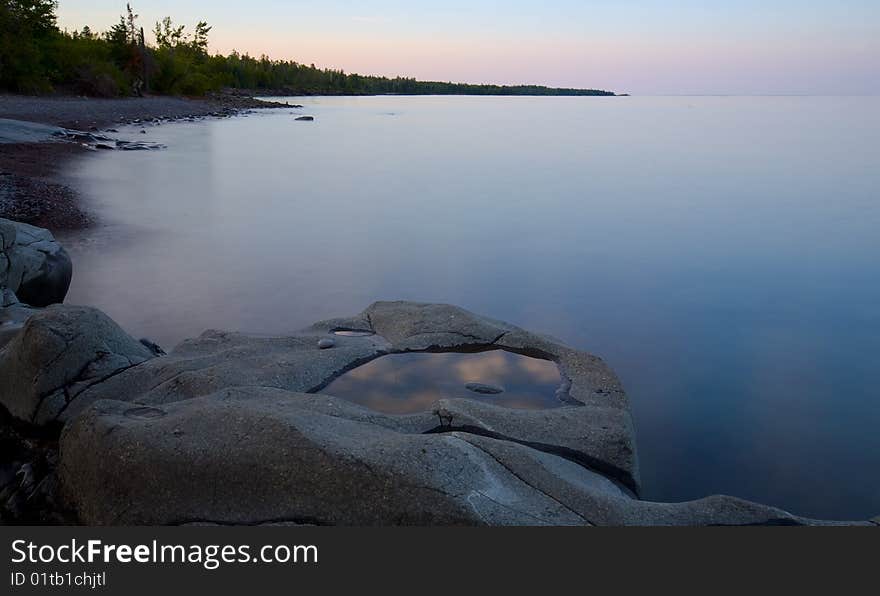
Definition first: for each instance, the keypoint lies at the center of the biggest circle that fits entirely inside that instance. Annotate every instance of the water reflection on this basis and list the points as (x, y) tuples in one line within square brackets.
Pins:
[(405, 383), (353, 333)]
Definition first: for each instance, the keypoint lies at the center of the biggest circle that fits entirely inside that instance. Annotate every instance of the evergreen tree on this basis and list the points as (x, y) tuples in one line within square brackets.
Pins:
[(36, 57)]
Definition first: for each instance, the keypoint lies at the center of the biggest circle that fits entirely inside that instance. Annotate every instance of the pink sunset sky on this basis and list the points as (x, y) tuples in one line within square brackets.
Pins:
[(635, 46)]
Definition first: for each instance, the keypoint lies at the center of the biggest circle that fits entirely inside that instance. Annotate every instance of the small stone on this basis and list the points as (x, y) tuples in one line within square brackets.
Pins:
[(305, 118), (326, 343), (484, 389)]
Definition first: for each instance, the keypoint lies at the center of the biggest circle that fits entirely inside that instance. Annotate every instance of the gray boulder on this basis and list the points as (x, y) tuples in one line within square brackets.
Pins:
[(218, 360), (258, 455), (595, 427), (58, 353), (234, 429), (277, 459), (33, 264)]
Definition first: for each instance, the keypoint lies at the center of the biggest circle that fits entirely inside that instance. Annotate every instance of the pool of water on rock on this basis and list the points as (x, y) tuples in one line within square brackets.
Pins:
[(353, 333), (406, 383)]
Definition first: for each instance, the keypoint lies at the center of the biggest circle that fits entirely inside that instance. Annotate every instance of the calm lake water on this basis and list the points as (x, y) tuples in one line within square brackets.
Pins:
[(722, 254)]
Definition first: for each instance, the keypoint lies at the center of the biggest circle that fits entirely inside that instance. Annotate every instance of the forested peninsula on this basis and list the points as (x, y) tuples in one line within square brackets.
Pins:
[(38, 57)]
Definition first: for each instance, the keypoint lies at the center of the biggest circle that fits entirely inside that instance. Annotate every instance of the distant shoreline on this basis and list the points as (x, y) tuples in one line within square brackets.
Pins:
[(550, 93)]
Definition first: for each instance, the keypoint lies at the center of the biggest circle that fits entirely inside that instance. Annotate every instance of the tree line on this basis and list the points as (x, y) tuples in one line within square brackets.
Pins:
[(36, 56)]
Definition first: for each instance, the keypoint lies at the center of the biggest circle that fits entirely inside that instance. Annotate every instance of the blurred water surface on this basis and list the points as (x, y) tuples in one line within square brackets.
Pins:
[(721, 253)]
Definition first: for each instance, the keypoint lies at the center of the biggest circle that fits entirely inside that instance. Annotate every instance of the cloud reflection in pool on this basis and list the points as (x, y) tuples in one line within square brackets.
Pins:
[(405, 383)]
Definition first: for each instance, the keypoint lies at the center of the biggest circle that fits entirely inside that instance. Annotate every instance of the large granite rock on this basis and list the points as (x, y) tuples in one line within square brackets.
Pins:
[(33, 264), (58, 353), (259, 455), (235, 429), (593, 426), (256, 455)]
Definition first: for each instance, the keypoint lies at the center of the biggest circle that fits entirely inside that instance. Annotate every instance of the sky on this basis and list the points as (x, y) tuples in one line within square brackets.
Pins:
[(645, 47)]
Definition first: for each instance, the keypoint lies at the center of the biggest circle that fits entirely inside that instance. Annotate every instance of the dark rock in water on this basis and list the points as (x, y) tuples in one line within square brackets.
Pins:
[(326, 343), (484, 388), (33, 265), (50, 284), (305, 118)]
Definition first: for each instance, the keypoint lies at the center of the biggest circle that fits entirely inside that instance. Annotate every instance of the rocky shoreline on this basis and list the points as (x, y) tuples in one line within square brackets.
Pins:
[(32, 186), (100, 428)]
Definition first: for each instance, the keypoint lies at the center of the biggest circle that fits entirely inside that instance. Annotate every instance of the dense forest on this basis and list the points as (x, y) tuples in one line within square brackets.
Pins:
[(38, 57)]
